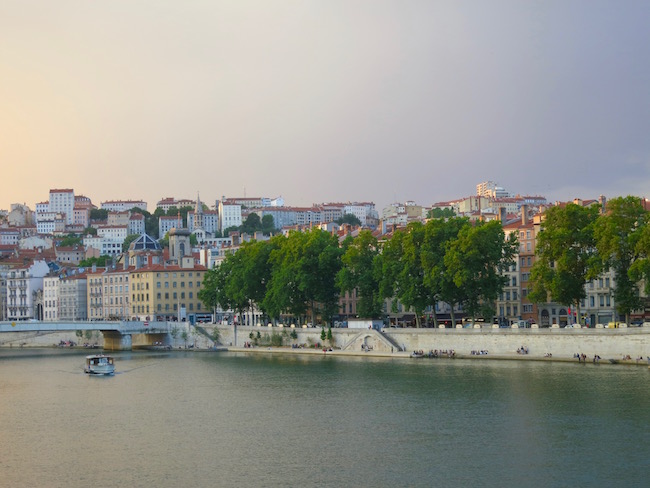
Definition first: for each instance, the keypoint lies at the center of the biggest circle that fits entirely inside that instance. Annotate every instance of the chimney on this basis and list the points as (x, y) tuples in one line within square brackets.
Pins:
[(502, 214), (524, 214)]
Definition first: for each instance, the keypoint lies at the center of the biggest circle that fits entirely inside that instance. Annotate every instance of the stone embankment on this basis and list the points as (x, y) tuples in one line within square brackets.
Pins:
[(624, 345), (542, 344)]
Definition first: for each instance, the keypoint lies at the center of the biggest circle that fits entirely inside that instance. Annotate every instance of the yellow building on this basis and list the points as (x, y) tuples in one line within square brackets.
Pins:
[(166, 292)]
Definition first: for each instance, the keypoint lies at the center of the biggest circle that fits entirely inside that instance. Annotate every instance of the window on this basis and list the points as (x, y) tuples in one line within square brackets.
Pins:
[(175, 295)]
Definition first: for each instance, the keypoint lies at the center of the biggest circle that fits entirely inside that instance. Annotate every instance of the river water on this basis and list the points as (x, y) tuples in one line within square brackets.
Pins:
[(200, 419)]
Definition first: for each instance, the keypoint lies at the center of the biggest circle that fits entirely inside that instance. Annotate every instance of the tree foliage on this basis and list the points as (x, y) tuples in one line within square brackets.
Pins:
[(476, 261), (360, 271), (98, 214), (350, 219), (440, 213), (566, 255), (617, 234)]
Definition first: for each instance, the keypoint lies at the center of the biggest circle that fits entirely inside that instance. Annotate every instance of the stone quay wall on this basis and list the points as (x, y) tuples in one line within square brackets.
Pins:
[(606, 343)]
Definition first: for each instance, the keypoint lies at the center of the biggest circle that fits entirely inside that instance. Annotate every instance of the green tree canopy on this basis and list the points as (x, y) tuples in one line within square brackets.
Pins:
[(70, 240), (566, 255), (617, 234), (101, 262), (98, 214), (268, 225), (440, 213), (360, 271), (304, 275), (439, 234), (476, 261), (349, 219)]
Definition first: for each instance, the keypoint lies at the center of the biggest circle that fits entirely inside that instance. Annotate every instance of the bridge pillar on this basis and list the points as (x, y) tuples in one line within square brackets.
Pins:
[(115, 341)]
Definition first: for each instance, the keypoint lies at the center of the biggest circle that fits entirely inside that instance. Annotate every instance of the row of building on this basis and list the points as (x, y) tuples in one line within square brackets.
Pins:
[(519, 215)]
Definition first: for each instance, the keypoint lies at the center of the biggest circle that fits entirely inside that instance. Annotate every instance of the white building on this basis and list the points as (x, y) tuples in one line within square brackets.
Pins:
[(167, 223), (51, 298), (104, 245), (9, 237), (123, 205), (22, 286), (229, 214), (62, 201), (136, 224), (365, 212), (73, 304)]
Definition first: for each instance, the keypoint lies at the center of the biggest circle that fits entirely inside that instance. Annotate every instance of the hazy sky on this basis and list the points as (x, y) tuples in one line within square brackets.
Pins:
[(330, 100)]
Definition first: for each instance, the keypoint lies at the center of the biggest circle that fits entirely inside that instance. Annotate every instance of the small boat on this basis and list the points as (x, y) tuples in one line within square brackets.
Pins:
[(99, 364), (417, 354)]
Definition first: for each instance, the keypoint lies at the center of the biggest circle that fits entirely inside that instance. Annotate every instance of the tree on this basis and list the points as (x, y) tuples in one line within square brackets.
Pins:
[(411, 290), (475, 261), (251, 224), (304, 268), (440, 213), (268, 225), (70, 240), (90, 231), (359, 271), (349, 219), (98, 214), (439, 234), (617, 234), (566, 255), (99, 262)]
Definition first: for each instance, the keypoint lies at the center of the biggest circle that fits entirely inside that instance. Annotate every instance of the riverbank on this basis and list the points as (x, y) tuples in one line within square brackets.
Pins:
[(407, 355)]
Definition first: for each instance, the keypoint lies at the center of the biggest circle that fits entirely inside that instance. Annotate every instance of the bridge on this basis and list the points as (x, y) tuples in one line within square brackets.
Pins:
[(118, 335)]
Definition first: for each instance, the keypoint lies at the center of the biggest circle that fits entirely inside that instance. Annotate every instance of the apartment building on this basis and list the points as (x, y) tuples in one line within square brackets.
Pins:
[(73, 304), (63, 201), (51, 298), (123, 205), (22, 285)]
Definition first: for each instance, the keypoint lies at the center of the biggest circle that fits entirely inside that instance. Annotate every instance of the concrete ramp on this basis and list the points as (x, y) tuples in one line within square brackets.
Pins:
[(372, 340)]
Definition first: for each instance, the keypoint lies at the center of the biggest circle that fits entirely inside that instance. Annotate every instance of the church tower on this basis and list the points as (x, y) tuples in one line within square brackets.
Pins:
[(198, 213)]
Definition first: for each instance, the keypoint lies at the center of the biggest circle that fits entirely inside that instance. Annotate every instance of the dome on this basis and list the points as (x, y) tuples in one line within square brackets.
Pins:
[(145, 243)]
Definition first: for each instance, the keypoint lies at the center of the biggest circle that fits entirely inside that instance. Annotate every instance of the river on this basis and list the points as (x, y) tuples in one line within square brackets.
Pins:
[(200, 419)]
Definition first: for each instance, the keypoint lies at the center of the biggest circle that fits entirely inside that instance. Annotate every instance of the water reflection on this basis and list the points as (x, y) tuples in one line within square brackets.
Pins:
[(210, 419)]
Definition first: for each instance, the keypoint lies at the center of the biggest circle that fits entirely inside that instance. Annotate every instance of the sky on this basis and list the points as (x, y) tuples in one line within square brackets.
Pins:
[(323, 101)]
